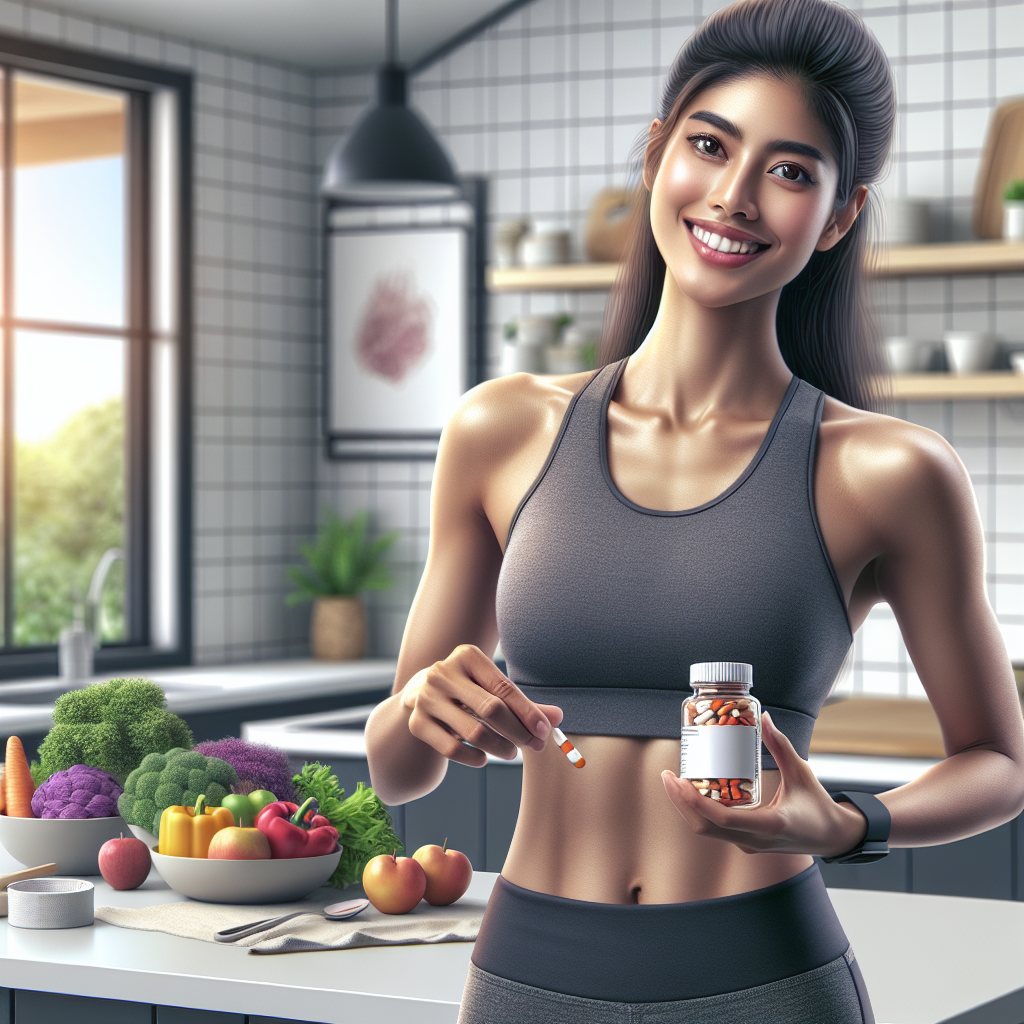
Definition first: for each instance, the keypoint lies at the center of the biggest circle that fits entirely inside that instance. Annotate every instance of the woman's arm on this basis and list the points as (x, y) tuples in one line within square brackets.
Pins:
[(910, 509), (447, 688)]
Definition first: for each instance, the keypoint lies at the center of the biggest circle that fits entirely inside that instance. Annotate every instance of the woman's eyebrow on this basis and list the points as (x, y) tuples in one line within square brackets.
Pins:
[(778, 146)]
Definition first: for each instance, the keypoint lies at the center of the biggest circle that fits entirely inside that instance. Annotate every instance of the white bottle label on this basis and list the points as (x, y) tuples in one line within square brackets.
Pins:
[(718, 752)]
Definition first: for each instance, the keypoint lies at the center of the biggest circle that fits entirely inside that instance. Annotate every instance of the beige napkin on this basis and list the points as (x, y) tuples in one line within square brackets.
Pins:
[(192, 920)]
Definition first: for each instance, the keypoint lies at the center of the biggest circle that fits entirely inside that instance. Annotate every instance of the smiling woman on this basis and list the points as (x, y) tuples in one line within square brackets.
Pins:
[(719, 491)]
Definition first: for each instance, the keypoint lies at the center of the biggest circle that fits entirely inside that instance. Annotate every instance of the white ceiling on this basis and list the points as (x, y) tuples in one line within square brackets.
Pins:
[(310, 33)]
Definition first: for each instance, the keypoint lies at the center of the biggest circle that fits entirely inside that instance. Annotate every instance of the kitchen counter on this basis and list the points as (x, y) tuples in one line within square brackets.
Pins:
[(926, 959), (201, 690)]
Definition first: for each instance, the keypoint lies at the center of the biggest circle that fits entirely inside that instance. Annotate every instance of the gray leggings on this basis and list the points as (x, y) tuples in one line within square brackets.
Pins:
[(825, 995)]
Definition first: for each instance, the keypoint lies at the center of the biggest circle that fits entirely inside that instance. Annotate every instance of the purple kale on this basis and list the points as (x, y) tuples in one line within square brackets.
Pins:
[(77, 792), (258, 765)]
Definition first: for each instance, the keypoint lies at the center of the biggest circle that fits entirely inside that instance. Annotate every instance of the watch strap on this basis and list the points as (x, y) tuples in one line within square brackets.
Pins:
[(875, 844)]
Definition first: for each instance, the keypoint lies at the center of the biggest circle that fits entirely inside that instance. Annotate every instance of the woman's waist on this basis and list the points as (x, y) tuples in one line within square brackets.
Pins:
[(609, 833)]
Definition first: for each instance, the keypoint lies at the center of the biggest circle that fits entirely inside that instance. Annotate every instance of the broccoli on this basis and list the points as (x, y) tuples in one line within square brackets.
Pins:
[(173, 778), (111, 726)]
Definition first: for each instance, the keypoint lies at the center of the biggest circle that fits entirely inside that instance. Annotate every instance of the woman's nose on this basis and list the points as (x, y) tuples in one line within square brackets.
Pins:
[(733, 193)]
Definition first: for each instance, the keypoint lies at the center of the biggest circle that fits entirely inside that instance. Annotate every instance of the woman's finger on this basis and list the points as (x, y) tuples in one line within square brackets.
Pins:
[(751, 828), (792, 766)]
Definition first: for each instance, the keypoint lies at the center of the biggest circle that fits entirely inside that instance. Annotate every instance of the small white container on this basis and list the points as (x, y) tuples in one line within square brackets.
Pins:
[(545, 246), (1013, 221), (908, 355), (1017, 361), (969, 351), (50, 903), (906, 221), (521, 358)]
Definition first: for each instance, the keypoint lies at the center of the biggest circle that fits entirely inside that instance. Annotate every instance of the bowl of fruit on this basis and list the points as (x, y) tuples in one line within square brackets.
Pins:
[(289, 851), (64, 822)]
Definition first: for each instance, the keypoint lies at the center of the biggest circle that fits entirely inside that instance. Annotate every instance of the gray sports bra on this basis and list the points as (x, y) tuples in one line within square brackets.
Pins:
[(603, 604)]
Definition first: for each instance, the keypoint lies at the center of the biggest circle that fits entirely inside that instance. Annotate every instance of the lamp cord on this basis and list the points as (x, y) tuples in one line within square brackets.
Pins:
[(391, 31)]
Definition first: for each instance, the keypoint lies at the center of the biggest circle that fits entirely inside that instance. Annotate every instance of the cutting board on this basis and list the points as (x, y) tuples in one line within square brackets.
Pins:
[(883, 726), (1001, 161)]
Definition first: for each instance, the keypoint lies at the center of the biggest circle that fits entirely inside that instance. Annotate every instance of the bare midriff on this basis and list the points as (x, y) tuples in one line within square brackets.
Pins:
[(608, 833)]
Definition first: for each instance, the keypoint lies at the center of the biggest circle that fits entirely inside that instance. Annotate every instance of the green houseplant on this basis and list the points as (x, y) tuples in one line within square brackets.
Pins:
[(341, 563), (1013, 211)]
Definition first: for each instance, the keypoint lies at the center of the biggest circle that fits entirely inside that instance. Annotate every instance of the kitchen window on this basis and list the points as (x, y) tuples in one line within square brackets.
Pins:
[(93, 353)]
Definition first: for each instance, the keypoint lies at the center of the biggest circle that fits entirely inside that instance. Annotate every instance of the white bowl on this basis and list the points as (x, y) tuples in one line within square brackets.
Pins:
[(50, 903), (969, 351), (246, 881), (73, 844), (907, 355), (147, 837)]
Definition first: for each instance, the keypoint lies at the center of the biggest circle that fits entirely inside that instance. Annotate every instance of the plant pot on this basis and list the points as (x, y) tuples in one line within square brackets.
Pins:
[(338, 629), (1013, 221)]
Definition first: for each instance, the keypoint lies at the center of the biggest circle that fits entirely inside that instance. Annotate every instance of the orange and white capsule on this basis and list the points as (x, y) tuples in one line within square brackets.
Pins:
[(568, 749)]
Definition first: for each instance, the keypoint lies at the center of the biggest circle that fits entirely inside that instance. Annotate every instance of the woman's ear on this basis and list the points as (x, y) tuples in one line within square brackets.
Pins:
[(650, 168), (842, 220)]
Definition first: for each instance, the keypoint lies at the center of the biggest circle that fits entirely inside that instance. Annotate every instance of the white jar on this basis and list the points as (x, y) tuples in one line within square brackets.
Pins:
[(546, 245), (908, 355), (969, 351), (1013, 221)]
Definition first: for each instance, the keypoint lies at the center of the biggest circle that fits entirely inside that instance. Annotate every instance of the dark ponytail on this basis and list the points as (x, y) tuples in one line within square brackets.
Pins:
[(824, 326)]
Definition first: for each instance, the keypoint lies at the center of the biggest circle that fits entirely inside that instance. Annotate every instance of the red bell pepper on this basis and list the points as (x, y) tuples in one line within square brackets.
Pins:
[(295, 831)]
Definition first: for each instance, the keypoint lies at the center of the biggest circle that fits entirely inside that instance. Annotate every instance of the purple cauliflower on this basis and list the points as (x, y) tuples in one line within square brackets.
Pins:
[(258, 765), (77, 792)]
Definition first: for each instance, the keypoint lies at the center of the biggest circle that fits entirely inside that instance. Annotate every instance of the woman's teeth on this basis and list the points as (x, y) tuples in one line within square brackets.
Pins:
[(720, 244)]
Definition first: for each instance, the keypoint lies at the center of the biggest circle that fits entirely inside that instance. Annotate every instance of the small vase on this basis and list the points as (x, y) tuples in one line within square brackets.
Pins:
[(1013, 221), (338, 629)]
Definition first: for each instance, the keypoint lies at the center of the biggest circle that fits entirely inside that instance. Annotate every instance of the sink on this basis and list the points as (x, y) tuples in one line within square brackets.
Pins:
[(46, 691)]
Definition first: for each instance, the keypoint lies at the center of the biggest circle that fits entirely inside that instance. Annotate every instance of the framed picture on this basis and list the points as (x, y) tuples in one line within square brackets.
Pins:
[(402, 324)]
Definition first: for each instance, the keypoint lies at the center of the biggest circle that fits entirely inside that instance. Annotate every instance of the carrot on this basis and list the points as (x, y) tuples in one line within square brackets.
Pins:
[(3, 792), (18, 784)]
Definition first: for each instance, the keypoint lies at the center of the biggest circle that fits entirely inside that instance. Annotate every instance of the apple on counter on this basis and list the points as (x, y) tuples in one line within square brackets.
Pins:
[(124, 863), (233, 843), (448, 872), (394, 885)]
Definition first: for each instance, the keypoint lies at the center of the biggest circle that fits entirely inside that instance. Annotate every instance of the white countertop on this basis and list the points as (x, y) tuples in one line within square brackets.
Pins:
[(925, 959), (213, 688)]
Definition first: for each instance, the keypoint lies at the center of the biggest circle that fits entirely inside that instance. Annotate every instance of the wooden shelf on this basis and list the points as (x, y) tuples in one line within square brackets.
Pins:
[(885, 727), (938, 387), (900, 261)]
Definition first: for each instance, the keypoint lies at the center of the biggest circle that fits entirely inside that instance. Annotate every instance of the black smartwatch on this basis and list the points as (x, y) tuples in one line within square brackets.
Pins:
[(875, 844)]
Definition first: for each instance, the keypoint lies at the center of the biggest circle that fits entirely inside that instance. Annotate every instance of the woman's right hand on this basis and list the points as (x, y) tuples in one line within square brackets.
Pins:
[(466, 708)]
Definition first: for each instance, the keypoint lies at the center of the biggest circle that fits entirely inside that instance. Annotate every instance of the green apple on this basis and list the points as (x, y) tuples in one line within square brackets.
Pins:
[(245, 806)]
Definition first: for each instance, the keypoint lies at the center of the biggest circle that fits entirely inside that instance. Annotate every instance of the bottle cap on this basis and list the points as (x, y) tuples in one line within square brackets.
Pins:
[(722, 672)]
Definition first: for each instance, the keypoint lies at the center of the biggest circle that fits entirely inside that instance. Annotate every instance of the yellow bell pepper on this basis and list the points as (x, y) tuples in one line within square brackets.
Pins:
[(187, 831)]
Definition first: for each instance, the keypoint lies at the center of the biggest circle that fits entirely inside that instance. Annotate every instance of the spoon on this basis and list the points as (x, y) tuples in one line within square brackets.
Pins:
[(335, 912)]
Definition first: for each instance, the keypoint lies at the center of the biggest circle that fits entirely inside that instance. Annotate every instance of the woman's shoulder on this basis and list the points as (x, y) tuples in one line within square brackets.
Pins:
[(499, 417), (886, 464)]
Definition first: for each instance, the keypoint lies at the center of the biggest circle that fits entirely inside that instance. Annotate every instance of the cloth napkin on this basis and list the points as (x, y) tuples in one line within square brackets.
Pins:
[(459, 922)]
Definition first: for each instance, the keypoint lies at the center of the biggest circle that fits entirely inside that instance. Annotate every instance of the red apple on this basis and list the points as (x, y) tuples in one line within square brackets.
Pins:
[(124, 863), (234, 843), (394, 885), (448, 873)]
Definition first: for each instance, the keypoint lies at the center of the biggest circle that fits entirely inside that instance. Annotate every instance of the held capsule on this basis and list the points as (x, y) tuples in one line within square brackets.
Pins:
[(567, 748)]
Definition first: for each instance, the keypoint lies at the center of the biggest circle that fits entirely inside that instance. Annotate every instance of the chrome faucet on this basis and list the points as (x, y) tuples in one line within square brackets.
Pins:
[(79, 640)]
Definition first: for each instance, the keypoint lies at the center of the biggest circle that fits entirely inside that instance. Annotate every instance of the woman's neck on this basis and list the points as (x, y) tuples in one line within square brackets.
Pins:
[(698, 360)]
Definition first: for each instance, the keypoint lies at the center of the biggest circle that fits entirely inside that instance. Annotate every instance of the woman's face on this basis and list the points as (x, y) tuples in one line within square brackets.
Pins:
[(745, 191)]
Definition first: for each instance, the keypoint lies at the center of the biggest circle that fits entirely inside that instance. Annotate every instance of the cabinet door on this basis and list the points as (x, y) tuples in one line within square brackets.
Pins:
[(54, 1008), (454, 810), (504, 789), (979, 866)]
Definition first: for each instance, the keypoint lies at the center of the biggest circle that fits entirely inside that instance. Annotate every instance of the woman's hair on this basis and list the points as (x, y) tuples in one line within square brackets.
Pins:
[(823, 323)]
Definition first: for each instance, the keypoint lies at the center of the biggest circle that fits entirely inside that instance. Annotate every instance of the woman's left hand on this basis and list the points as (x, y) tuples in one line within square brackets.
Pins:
[(800, 818)]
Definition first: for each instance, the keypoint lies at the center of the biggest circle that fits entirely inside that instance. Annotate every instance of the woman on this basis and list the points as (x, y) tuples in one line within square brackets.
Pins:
[(719, 490)]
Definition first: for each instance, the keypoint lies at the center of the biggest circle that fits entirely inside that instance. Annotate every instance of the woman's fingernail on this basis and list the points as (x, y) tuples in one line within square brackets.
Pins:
[(543, 729)]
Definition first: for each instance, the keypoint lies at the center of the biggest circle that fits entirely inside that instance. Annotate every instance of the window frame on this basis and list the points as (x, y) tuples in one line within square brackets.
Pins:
[(142, 83)]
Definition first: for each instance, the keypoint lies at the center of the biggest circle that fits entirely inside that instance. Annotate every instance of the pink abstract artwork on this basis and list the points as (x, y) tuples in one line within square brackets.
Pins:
[(394, 332)]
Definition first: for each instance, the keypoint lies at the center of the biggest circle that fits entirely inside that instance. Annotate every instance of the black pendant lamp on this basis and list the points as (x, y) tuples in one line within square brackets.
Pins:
[(389, 155)]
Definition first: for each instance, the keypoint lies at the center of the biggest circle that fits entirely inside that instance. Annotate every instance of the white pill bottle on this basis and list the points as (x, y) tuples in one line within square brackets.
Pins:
[(720, 738)]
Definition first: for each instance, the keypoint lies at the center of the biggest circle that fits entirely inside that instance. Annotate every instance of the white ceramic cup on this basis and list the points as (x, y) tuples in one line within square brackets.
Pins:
[(969, 351), (908, 355)]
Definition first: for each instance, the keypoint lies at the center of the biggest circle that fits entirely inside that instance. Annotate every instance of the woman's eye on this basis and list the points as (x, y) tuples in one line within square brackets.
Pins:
[(706, 145), (791, 172)]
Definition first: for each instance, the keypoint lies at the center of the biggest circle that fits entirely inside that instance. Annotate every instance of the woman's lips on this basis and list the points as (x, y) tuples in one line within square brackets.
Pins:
[(722, 259)]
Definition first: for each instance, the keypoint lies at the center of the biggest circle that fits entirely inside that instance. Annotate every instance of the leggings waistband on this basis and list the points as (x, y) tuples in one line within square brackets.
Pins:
[(659, 951)]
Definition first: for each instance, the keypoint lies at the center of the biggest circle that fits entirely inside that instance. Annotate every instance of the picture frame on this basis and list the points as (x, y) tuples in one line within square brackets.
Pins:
[(403, 298)]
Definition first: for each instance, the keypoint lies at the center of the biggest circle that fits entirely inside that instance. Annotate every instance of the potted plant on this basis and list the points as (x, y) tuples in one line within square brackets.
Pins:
[(340, 564), (1013, 211)]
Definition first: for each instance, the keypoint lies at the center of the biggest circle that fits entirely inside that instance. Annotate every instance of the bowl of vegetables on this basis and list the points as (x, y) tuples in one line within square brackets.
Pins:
[(246, 881), (65, 821)]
